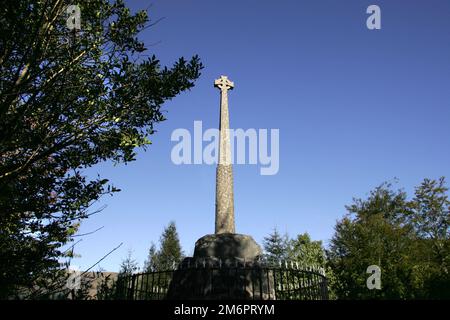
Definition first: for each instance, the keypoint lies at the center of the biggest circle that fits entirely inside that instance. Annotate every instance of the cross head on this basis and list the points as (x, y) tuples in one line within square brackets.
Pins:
[(223, 83)]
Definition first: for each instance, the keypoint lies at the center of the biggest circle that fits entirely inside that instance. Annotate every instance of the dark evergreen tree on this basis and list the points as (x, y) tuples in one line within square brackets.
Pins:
[(128, 265), (276, 247), (169, 253), (151, 264)]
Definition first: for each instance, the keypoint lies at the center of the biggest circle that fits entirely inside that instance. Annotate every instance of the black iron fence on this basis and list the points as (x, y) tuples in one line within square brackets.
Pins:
[(255, 281)]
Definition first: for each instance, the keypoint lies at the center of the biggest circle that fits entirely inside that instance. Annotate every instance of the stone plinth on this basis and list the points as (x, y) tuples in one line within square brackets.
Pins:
[(224, 266), (227, 246)]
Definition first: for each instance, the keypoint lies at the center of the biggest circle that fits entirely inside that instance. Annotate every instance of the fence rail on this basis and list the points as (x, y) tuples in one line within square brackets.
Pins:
[(255, 282)]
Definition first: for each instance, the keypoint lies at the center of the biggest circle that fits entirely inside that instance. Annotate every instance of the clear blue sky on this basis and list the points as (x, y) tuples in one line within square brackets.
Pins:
[(354, 108)]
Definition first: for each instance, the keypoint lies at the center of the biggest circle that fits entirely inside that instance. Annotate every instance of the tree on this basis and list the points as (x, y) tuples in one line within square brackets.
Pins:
[(151, 264), (128, 265), (397, 235), (430, 220), (169, 253), (306, 251), (371, 234), (276, 247), (69, 99)]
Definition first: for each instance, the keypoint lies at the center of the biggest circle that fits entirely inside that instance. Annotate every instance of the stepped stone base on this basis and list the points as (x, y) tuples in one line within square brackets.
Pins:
[(225, 283), (224, 266)]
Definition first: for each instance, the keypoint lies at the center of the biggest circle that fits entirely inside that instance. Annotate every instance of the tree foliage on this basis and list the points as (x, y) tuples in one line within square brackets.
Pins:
[(300, 249), (151, 264), (169, 253), (306, 252), (407, 239), (276, 247), (128, 266), (69, 99)]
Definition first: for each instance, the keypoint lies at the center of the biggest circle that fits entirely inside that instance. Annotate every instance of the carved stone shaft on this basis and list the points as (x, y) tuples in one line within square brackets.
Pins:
[(224, 174), (224, 200)]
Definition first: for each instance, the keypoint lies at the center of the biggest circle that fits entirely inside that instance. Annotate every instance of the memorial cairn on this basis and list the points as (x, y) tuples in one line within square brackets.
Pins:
[(227, 265)]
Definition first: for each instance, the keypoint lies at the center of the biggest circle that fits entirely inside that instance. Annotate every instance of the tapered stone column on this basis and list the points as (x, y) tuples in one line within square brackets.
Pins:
[(224, 174)]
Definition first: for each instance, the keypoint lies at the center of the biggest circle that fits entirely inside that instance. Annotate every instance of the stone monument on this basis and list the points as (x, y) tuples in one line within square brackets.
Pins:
[(224, 248), (225, 244)]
